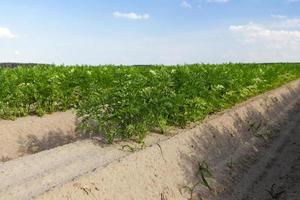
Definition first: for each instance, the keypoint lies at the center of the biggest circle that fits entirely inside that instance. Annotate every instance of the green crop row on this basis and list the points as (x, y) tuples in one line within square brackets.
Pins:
[(127, 102)]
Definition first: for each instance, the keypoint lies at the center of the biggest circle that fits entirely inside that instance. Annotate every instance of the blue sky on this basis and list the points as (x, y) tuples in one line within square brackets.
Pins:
[(149, 31)]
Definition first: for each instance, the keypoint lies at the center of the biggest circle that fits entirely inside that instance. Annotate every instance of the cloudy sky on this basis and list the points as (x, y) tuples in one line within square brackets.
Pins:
[(149, 31)]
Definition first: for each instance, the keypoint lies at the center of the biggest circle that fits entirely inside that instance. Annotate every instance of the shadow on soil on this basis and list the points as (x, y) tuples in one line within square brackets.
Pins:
[(218, 143), (32, 144)]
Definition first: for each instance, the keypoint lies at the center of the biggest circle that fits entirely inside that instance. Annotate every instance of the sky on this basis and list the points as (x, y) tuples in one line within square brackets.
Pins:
[(149, 31)]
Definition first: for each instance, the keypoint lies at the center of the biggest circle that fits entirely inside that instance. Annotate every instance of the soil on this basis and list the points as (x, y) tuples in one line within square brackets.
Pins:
[(33, 134), (276, 175)]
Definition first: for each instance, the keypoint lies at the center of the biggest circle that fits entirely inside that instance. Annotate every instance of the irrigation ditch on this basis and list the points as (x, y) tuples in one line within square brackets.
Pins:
[(251, 151)]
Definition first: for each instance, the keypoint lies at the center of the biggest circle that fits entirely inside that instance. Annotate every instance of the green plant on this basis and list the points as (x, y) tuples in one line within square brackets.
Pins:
[(132, 149), (126, 102), (203, 173)]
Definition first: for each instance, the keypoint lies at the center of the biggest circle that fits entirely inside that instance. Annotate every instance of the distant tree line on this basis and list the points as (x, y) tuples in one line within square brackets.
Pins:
[(13, 65)]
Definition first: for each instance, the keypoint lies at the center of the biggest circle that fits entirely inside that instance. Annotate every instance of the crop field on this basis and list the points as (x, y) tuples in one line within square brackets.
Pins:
[(127, 101)]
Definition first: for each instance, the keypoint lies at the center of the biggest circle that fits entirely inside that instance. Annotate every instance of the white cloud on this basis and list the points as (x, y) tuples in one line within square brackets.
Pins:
[(293, 1), (5, 33), (131, 16), (276, 40), (185, 4), (292, 22), (255, 33), (282, 21), (217, 1), (16, 52)]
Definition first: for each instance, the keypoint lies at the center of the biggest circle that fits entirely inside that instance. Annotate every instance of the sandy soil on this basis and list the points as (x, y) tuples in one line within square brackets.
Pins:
[(237, 146), (32, 134), (32, 175), (276, 174)]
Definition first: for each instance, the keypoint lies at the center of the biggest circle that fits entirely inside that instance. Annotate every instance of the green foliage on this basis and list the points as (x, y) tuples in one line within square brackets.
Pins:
[(126, 102)]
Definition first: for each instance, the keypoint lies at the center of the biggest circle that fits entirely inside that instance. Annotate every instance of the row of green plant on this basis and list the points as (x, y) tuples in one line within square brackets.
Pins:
[(127, 102)]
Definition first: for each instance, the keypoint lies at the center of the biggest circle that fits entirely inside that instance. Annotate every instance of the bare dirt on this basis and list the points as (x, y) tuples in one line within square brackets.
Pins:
[(33, 134), (276, 174), (252, 152)]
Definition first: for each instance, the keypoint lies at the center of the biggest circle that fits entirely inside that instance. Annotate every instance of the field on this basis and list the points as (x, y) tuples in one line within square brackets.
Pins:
[(128, 102), (162, 148)]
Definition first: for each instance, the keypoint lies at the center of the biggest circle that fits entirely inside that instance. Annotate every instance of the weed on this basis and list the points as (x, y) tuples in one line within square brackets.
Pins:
[(266, 135), (162, 155), (130, 148), (4, 159), (230, 166), (133, 148), (203, 173), (275, 195)]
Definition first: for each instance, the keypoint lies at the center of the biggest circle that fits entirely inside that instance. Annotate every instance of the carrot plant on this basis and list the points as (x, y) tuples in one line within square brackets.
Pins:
[(126, 102)]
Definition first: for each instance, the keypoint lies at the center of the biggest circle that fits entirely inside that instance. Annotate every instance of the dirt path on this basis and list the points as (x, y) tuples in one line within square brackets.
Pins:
[(32, 175), (277, 174)]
